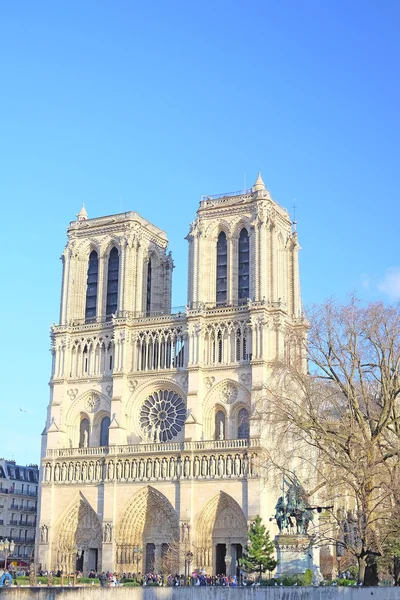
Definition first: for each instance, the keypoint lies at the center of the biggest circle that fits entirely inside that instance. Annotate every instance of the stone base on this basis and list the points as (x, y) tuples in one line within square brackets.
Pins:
[(294, 554)]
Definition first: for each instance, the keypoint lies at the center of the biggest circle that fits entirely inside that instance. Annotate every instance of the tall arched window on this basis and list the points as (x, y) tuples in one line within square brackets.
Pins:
[(148, 290), (243, 424), (84, 433), (91, 287), (244, 266), (222, 269), (112, 282), (105, 424), (220, 432)]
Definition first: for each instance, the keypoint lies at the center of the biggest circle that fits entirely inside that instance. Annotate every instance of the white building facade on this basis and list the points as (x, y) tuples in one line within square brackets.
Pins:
[(150, 437)]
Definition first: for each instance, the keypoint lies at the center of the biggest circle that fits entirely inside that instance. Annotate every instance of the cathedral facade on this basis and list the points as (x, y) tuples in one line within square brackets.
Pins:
[(151, 438)]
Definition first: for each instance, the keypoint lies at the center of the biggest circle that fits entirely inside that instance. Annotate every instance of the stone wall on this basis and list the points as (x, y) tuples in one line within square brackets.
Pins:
[(203, 593)]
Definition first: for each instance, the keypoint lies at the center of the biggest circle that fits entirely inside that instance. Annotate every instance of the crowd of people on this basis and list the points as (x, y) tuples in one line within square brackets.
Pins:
[(108, 579)]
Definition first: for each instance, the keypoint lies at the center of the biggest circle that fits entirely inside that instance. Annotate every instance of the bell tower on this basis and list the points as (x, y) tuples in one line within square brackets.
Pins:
[(244, 306)]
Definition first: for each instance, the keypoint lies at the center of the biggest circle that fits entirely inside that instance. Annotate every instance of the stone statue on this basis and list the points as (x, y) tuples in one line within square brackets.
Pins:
[(186, 467), (141, 468), (237, 465), (229, 465), (134, 469), (85, 438), (221, 466), (172, 467), (212, 466), (221, 430), (178, 467), (90, 471), (164, 468)]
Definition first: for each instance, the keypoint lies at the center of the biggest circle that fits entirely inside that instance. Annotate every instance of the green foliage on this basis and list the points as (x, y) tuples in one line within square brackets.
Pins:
[(299, 579), (258, 554), (131, 584), (308, 577)]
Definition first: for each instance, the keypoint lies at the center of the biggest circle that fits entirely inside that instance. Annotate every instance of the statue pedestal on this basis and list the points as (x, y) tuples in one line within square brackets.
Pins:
[(294, 554)]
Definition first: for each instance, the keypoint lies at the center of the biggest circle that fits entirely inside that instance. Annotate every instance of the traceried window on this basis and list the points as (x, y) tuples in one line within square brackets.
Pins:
[(222, 269), (91, 287), (105, 424), (243, 424), (112, 283), (162, 416), (244, 267), (220, 424), (148, 290), (84, 433)]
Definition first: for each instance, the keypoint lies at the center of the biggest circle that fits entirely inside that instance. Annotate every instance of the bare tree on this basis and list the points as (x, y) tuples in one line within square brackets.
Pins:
[(346, 412)]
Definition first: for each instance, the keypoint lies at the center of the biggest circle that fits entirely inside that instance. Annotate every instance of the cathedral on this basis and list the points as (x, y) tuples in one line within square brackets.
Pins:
[(150, 437)]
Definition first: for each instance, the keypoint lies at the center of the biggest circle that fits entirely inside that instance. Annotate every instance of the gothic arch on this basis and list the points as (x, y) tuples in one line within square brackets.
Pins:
[(78, 527), (84, 249), (221, 516), (228, 394), (215, 228), (239, 224), (114, 242), (146, 513), (90, 401)]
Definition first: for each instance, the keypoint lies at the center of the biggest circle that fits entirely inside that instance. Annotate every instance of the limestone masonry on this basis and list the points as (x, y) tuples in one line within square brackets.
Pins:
[(150, 437)]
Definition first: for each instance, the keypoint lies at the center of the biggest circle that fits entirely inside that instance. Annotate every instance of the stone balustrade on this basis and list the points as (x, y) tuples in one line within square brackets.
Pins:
[(155, 448)]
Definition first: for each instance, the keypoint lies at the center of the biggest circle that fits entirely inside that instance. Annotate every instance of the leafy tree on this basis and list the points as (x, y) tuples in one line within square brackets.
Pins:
[(259, 551)]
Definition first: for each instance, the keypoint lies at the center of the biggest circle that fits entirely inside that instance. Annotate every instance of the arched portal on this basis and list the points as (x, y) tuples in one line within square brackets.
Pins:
[(148, 522), (79, 539), (221, 535)]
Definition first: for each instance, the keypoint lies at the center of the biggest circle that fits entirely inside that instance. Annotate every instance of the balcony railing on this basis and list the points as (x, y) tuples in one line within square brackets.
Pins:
[(23, 508), (156, 448)]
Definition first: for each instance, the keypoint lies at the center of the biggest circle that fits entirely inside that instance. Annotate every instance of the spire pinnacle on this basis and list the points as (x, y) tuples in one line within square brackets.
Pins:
[(82, 214), (259, 184)]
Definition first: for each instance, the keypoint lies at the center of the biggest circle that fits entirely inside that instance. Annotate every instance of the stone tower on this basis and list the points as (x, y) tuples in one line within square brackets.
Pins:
[(149, 438)]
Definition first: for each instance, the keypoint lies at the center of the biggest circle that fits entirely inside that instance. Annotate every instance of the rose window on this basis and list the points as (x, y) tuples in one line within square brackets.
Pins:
[(162, 416)]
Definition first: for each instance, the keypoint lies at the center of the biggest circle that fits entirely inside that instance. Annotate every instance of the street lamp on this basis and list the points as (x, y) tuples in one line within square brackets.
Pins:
[(138, 551), (188, 560), (7, 547)]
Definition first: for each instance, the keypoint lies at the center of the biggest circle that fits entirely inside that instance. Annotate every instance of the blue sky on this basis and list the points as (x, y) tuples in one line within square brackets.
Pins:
[(146, 106)]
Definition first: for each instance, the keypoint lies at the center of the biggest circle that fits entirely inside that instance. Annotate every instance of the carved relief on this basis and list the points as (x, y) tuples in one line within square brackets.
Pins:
[(72, 393), (228, 392), (92, 403), (208, 382)]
